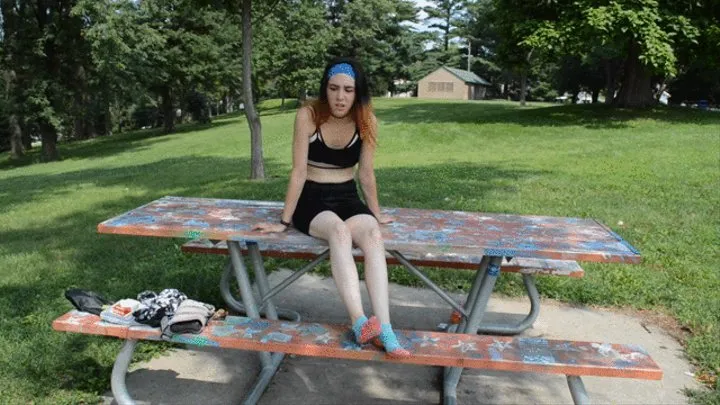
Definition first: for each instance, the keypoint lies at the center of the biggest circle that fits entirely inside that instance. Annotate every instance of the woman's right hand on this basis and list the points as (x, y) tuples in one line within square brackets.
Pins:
[(265, 227)]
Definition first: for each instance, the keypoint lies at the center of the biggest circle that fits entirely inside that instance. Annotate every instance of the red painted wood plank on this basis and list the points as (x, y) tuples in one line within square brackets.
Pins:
[(428, 348), (422, 232), (567, 268)]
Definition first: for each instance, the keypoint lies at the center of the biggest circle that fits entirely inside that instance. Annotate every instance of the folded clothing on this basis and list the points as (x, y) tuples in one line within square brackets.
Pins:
[(87, 301), (121, 312), (153, 307), (190, 317)]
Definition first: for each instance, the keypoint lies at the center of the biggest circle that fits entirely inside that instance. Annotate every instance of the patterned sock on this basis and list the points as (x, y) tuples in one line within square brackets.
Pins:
[(390, 342), (366, 329)]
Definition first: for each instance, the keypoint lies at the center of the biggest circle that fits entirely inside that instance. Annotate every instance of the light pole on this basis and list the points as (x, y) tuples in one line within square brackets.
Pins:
[(470, 38)]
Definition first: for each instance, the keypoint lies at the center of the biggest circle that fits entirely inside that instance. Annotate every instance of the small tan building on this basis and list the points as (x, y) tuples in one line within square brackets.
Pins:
[(452, 84)]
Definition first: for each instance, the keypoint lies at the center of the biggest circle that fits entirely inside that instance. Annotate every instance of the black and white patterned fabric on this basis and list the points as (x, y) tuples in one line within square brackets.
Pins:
[(153, 307)]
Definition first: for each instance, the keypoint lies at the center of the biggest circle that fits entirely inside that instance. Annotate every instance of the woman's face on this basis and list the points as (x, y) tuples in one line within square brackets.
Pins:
[(341, 94)]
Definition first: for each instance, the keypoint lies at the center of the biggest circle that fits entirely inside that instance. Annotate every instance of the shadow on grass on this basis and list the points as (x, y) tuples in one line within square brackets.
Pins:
[(109, 145), (590, 116), (429, 186), (199, 176)]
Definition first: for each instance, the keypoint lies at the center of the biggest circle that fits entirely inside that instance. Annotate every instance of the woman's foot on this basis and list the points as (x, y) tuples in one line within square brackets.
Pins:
[(388, 340), (366, 329)]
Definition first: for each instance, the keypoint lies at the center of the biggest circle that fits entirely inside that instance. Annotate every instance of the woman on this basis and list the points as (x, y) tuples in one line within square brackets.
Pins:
[(332, 135)]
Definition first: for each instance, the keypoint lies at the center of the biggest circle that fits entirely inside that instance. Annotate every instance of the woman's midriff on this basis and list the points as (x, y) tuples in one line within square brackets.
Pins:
[(320, 175)]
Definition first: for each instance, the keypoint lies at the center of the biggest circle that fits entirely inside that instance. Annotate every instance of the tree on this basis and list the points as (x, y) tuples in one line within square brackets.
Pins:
[(10, 106), (515, 21), (371, 32), (291, 47), (445, 15), (647, 35), (257, 167), (170, 48), (481, 35)]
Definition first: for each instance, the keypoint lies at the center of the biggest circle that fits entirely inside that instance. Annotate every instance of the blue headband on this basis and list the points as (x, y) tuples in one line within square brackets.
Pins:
[(341, 68)]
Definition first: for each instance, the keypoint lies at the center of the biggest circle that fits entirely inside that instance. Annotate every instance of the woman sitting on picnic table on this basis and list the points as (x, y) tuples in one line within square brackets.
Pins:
[(332, 135)]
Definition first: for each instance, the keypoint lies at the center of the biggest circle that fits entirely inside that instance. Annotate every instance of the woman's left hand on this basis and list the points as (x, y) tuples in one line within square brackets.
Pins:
[(385, 219)]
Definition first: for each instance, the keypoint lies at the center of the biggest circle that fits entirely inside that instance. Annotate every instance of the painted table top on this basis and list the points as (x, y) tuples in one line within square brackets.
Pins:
[(427, 348), (418, 231)]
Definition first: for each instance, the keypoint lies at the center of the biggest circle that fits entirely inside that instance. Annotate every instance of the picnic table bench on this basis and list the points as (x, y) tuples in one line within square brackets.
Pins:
[(415, 234)]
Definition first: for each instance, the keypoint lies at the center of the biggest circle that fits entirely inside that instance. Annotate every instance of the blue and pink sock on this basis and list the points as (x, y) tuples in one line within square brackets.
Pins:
[(366, 329), (388, 340)]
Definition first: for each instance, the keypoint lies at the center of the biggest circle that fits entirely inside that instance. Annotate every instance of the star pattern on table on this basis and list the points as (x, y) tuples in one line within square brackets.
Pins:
[(426, 341), (501, 346), (465, 346), (250, 333), (324, 339)]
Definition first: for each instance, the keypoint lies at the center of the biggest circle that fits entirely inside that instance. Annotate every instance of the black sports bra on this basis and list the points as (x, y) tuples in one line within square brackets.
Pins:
[(321, 155)]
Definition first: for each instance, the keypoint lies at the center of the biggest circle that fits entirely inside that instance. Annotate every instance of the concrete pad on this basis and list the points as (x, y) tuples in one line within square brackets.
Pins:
[(212, 376)]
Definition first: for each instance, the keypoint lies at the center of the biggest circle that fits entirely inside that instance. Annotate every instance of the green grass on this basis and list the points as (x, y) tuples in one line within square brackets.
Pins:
[(652, 176)]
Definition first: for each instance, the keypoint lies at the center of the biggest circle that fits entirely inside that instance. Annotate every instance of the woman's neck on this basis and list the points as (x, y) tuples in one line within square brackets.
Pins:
[(333, 120)]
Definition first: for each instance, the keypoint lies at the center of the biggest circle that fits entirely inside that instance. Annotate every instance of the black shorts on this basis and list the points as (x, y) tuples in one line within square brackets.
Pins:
[(340, 198)]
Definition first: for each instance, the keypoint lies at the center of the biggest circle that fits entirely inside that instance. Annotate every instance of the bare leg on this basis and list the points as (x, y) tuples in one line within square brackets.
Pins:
[(366, 234), (327, 225)]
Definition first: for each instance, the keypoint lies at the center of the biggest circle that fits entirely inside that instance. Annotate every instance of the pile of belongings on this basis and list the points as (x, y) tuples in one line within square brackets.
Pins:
[(170, 310)]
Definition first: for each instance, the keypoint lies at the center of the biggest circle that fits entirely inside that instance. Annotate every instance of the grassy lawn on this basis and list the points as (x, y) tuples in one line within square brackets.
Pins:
[(652, 176)]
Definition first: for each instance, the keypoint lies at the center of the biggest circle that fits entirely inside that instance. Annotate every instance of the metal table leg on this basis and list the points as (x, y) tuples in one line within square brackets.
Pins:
[(261, 278), (236, 305), (270, 363), (119, 371), (477, 311), (577, 390), (528, 321)]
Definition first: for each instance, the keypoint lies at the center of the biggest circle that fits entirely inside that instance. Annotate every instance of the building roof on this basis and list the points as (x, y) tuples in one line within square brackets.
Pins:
[(467, 77)]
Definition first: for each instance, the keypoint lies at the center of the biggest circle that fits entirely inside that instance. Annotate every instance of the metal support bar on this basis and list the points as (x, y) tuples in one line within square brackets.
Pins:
[(261, 278), (263, 380), (245, 291), (480, 276), (414, 270), (577, 390), (119, 371), (477, 311), (291, 279), (528, 321), (474, 293), (478, 282), (237, 306)]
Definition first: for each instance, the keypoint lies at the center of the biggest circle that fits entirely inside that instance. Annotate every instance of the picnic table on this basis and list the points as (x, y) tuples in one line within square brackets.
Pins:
[(416, 232)]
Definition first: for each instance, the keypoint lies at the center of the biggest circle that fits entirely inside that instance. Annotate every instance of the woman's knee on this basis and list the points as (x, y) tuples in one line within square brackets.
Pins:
[(371, 237), (340, 232)]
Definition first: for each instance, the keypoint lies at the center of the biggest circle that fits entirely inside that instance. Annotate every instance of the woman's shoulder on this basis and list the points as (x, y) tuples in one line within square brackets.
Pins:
[(305, 120), (305, 114)]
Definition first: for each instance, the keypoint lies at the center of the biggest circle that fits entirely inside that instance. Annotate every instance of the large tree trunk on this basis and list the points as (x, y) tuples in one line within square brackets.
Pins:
[(636, 89), (49, 142), (257, 166), (26, 139), (168, 111), (80, 127), (610, 81), (16, 146)]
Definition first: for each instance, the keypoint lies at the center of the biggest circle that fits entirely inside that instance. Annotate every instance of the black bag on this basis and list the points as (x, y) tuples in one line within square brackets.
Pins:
[(87, 301)]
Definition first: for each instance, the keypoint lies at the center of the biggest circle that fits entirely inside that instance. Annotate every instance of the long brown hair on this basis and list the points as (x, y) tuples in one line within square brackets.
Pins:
[(362, 110)]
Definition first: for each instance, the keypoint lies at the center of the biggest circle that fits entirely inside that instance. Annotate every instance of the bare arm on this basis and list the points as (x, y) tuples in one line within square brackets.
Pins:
[(304, 128), (366, 174)]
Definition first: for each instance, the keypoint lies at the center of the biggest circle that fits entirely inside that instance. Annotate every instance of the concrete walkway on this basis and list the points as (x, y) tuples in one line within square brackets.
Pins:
[(210, 376)]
